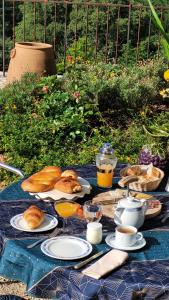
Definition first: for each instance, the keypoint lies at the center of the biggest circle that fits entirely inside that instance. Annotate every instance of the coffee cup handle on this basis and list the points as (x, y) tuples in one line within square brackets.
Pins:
[(139, 236)]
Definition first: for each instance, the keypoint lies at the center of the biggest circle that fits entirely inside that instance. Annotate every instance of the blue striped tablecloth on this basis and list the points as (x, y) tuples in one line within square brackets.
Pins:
[(46, 277)]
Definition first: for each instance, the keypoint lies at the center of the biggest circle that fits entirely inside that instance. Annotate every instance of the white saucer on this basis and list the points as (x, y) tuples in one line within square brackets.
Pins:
[(110, 240)]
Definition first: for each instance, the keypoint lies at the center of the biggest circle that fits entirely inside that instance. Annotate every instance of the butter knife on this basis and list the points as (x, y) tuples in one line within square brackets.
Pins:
[(86, 261)]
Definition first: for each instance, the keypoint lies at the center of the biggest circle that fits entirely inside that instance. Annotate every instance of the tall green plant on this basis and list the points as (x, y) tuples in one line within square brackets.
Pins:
[(165, 37)]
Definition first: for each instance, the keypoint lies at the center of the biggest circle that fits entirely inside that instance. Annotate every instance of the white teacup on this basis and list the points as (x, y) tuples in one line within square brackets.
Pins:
[(126, 236)]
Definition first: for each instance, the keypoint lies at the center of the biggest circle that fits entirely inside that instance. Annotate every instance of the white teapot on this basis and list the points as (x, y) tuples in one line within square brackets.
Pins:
[(131, 212)]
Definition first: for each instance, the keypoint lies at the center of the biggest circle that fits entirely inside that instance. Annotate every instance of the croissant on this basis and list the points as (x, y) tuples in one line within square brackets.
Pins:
[(33, 216), (69, 173), (68, 185)]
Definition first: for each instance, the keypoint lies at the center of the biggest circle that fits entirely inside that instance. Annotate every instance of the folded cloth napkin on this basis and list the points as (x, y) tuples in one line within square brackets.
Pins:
[(107, 263)]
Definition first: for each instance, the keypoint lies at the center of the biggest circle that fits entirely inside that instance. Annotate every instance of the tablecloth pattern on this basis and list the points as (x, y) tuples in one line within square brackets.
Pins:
[(147, 268), (50, 278)]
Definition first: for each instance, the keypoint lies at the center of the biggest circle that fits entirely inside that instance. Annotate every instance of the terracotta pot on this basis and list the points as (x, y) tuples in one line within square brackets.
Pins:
[(31, 57)]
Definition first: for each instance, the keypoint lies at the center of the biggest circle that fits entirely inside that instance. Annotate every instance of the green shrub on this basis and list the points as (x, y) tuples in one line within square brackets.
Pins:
[(113, 86), (51, 121)]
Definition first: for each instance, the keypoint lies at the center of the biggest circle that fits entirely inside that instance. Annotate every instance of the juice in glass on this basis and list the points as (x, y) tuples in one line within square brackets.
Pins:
[(106, 162), (105, 176), (66, 209)]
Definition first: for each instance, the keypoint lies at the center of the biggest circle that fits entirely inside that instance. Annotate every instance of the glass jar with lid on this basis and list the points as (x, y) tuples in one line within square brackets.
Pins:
[(94, 233), (106, 162)]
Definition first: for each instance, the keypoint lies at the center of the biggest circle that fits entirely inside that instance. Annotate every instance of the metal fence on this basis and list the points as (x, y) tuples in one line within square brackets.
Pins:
[(83, 30)]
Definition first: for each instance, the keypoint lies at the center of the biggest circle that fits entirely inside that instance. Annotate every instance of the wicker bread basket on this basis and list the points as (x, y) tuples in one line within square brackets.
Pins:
[(144, 186)]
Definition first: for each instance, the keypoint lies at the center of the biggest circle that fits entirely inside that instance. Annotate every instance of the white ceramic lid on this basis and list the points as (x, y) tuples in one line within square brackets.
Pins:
[(130, 202), (94, 225)]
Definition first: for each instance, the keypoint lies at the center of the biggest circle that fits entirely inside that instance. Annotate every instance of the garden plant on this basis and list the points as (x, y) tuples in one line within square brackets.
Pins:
[(157, 149), (63, 121)]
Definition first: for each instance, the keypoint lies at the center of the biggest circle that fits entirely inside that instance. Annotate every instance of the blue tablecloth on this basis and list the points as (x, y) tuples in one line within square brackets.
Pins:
[(51, 278)]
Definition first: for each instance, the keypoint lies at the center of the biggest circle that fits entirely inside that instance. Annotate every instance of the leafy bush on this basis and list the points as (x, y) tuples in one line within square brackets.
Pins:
[(111, 86), (52, 121)]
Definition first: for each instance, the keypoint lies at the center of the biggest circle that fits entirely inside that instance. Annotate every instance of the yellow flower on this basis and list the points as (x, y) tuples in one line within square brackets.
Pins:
[(112, 74), (166, 75), (162, 92)]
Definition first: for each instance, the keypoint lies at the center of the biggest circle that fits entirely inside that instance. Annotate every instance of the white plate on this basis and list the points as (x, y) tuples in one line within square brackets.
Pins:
[(57, 195), (110, 240), (19, 223), (66, 247)]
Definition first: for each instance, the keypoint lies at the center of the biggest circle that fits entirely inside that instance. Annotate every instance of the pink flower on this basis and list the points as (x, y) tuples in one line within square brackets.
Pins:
[(69, 58), (76, 94), (45, 89)]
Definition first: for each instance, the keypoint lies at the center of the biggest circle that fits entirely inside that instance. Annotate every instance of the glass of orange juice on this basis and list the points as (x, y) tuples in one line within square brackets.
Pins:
[(66, 209), (105, 176), (106, 162)]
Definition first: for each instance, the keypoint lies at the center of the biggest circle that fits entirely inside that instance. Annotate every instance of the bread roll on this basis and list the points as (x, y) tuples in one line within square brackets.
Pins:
[(57, 171), (33, 216), (33, 186), (69, 173), (42, 181), (44, 177), (68, 185), (41, 174), (134, 170), (153, 172)]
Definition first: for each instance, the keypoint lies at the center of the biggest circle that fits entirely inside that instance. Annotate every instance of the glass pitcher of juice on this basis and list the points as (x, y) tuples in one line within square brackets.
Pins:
[(106, 162)]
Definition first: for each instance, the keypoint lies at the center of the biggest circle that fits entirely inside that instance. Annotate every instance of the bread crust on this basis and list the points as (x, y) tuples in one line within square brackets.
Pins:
[(40, 182), (44, 177), (33, 216), (134, 170), (68, 185), (53, 169), (33, 186)]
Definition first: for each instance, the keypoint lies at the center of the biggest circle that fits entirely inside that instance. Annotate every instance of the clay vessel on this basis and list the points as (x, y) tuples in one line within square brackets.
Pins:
[(31, 57)]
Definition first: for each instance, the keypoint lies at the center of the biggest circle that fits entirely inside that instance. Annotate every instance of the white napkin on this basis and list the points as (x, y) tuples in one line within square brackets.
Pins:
[(110, 261)]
